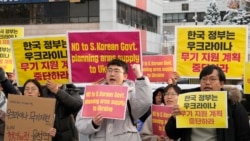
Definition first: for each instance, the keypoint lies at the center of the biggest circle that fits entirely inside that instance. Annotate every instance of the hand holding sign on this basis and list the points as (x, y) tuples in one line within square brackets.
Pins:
[(98, 119), (176, 110)]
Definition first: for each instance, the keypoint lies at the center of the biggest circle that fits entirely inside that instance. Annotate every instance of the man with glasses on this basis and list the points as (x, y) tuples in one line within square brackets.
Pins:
[(139, 97), (212, 78)]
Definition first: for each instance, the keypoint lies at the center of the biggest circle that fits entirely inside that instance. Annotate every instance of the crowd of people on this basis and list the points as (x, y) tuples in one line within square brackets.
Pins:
[(137, 125)]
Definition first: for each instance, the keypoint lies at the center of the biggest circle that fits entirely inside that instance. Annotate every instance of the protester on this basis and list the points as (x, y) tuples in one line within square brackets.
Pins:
[(33, 88), (68, 103), (8, 88), (171, 93), (158, 100), (5, 88), (139, 100), (212, 78)]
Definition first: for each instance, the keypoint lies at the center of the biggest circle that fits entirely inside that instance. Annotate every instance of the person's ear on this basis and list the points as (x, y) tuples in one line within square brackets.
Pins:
[(125, 75)]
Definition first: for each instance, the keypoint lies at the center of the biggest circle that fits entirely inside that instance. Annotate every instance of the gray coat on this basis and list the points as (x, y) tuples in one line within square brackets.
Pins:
[(120, 130)]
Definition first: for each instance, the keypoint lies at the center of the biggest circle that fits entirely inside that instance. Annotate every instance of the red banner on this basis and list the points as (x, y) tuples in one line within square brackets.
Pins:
[(158, 68), (89, 53)]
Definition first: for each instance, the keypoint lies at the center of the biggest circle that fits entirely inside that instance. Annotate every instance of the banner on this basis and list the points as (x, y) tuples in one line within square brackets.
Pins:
[(224, 46), (203, 110), (89, 52), (110, 100), (158, 68), (29, 118), (41, 58), (6, 33)]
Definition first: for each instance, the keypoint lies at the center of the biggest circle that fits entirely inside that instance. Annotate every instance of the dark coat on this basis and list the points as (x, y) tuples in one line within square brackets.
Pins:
[(238, 125), (68, 103), (8, 88)]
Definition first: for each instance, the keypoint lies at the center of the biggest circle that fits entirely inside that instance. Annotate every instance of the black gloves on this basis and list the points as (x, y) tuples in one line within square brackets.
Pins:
[(2, 75)]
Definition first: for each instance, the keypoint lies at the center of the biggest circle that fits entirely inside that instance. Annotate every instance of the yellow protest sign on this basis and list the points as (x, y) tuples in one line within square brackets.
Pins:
[(42, 58), (247, 78), (198, 46), (203, 110), (5, 51)]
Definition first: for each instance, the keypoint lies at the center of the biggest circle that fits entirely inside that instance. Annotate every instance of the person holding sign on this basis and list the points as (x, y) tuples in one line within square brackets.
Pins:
[(5, 88), (139, 100), (212, 78), (68, 103), (33, 88), (157, 100), (171, 93)]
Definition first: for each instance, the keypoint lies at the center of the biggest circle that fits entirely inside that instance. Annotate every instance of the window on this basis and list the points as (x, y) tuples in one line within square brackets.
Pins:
[(185, 7), (135, 17), (50, 12)]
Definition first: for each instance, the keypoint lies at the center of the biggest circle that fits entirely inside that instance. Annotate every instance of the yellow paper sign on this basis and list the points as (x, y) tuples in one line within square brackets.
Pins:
[(224, 46), (41, 58), (247, 78), (6, 33), (203, 110)]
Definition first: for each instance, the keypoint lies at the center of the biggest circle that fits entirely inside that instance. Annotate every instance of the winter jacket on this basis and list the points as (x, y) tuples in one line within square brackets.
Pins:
[(8, 88), (238, 123), (140, 98), (68, 103), (147, 131)]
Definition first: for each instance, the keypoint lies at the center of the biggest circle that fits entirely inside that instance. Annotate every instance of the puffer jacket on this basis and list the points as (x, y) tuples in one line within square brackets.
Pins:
[(238, 122), (68, 103), (140, 99)]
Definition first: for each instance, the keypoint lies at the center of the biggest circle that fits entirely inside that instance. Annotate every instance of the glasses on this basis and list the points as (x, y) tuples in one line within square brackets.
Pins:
[(211, 80), (116, 71), (170, 94), (30, 89)]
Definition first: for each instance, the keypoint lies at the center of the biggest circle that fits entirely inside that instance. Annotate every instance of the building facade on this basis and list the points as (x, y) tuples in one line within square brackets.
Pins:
[(50, 17), (182, 12)]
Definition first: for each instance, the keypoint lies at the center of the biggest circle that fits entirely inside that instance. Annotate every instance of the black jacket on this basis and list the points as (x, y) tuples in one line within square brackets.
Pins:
[(8, 88), (238, 125), (68, 103)]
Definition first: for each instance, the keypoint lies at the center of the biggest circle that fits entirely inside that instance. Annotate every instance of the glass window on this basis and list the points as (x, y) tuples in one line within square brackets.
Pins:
[(94, 8), (190, 17), (78, 9), (128, 15), (185, 7), (50, 12), (133, 17), (139, 19)]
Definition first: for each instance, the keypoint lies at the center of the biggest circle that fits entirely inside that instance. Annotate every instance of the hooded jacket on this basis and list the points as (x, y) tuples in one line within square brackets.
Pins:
[(139, 96), (238, 122)]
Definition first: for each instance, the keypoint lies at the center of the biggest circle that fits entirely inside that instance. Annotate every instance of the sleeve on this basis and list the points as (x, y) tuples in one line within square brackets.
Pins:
[(147, 131), (72, 102), (241, 123), (140, 98), (8, 88), (171, 131)]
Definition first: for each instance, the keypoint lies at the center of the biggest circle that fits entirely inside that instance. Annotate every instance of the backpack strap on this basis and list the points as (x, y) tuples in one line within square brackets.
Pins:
[(130, 114)]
